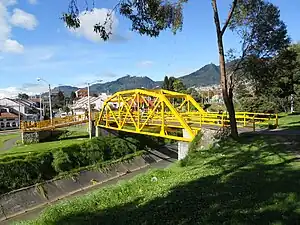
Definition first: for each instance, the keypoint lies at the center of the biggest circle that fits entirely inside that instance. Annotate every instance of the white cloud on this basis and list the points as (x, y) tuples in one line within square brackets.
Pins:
[(12, 46), (32, 2), (11, 92), (146, 63), (23, 19), (89, 18), (19, 18)]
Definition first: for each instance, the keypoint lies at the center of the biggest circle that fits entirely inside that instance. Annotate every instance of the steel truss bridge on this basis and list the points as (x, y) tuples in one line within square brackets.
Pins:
[(159, 113)]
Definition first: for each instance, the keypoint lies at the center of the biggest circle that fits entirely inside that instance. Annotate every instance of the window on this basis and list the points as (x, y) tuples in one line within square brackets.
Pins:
[(14, 124), (8, 124), (2, 125)]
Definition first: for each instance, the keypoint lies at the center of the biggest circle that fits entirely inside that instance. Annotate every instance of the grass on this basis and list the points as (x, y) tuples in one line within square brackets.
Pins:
[(289, 121), (6, 137), (253, 181), (76, 134)]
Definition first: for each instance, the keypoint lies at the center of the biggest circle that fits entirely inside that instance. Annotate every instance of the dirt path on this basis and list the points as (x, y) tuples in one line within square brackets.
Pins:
[(9, 143)]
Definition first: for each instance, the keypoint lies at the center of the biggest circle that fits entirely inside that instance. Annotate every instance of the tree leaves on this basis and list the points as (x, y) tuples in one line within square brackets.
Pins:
[(148, 17), (260, 28)]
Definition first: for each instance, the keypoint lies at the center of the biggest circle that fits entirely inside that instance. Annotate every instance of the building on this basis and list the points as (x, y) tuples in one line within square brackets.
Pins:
[(81, 105), (29, 110), (8, 120), (80, 93)]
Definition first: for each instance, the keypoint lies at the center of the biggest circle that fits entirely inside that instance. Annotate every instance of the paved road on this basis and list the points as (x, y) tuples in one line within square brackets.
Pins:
[(162, 164), (9, 143)]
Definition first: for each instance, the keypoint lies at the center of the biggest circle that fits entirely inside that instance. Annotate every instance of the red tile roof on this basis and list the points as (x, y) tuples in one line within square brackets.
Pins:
[(7, 115)]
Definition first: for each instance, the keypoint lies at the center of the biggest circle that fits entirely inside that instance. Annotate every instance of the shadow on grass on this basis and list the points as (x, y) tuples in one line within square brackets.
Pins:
[(249, 190)]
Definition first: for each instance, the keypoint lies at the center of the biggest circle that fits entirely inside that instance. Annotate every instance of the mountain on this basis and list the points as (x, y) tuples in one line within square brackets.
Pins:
[(205, 76), (65, 89), (124, 83)]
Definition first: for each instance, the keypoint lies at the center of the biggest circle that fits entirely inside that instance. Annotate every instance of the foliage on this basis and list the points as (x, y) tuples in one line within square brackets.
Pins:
[(73, 96), (147, 17), (264, 72), (59, 100), (23, 96), (195, 94), (253, 181), (173, 84), (66, 109), (270, 82), (24, 169)]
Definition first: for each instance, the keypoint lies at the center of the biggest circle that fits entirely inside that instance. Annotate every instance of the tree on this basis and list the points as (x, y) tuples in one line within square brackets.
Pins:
[(150, 17), (59, 100), (272, 81), (195, 94), (178, 86), (165, 84), (73, 96), (23, 96)]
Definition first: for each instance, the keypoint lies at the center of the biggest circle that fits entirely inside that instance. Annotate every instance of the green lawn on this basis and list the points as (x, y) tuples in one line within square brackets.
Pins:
[(6, 137), (76, 134), (253, 181), (289, 121)]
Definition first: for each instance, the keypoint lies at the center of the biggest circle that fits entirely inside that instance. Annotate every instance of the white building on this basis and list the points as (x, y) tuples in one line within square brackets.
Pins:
[(81, 105), (27, 109)]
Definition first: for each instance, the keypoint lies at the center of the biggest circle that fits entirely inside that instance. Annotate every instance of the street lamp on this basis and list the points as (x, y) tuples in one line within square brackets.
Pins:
[(41, 110), (89, 106), (50, 104)]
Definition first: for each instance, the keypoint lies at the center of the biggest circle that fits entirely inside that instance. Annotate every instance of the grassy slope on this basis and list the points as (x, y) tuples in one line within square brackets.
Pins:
[(255, 181), (75, 135), (289, 121), (6, 137)]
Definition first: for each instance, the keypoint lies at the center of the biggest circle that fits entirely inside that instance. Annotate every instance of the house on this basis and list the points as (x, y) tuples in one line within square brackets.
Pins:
[(81, 105), (8, 120), (80, 93), (28, 109)]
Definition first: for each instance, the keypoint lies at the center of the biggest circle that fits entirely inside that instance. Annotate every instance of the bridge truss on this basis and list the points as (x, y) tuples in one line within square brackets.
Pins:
[(166, 114)]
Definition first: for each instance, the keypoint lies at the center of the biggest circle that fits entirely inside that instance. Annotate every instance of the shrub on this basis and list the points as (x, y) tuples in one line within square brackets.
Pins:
[(18, 173), (61, 161), (21, 170)]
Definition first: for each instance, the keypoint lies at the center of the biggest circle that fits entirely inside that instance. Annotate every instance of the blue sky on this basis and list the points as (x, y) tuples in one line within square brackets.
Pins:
[(35, 43)]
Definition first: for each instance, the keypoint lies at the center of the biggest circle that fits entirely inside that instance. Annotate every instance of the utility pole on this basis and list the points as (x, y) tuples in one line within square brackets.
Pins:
[(41, 110), (89, 107), (50, 105), (19, 115)]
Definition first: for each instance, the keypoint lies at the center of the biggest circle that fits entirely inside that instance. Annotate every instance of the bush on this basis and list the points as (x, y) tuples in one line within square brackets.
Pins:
[(21, 170), (61, 161), (24, 172)]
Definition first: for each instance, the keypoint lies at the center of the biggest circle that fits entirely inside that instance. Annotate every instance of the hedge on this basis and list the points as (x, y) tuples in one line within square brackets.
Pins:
[(25, 170)]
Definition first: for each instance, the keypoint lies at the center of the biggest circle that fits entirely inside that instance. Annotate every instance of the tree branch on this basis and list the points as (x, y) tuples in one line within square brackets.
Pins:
[(230, 14)]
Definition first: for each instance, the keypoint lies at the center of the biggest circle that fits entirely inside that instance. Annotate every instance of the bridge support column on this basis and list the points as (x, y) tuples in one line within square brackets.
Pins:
[(183, 147), (35, 137), (97, 131)]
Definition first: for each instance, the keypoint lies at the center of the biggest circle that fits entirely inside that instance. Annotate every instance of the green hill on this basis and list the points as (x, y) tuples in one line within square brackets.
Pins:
[(205, 76)]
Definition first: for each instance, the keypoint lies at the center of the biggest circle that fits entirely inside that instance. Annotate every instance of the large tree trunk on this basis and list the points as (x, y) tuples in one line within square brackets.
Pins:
[(227, 93)]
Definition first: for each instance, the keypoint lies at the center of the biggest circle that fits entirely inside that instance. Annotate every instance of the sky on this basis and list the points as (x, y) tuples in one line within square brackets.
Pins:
[(34, 42)]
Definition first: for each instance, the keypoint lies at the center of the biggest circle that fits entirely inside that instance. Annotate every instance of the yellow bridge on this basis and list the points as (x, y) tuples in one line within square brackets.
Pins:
[(160, 113)]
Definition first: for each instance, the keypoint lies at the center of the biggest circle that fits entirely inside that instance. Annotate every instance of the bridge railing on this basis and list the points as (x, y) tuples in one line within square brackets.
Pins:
[(196, 120), (243, 119), (48, 124)]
